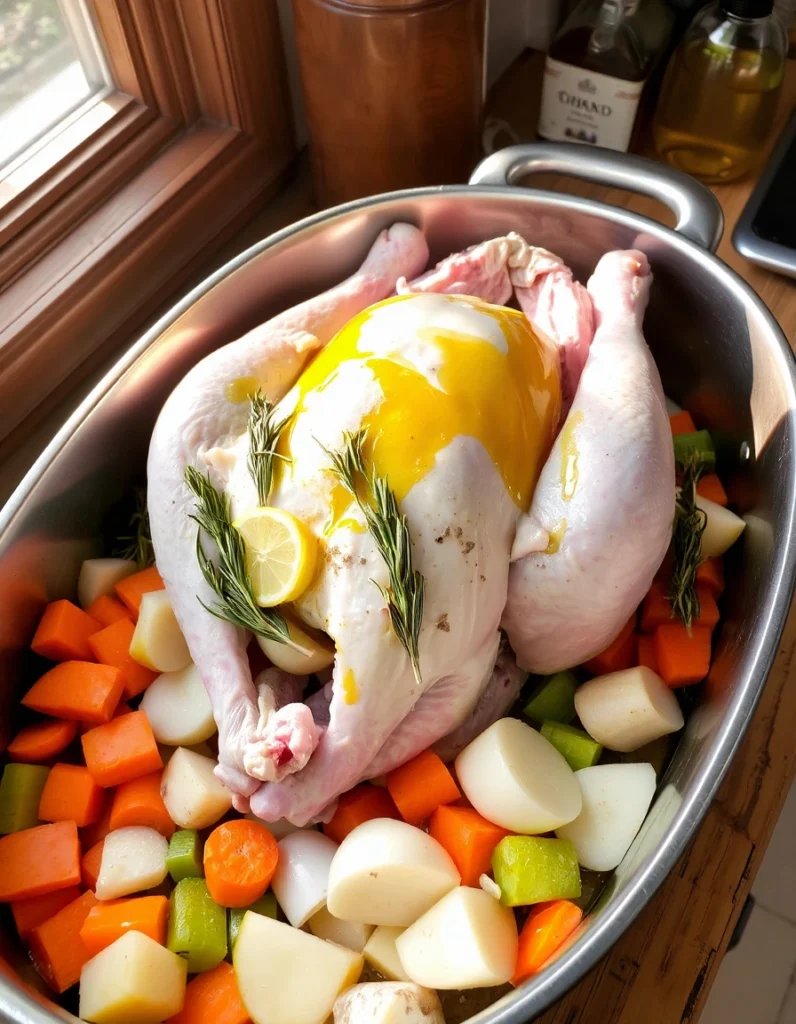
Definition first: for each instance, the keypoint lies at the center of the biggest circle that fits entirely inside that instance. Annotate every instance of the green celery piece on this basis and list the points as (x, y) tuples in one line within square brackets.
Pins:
[(20, 793), (529, 869), (184, 859), (197, 925), (699, 442), (578, 748), (554, 701), (266, 906)]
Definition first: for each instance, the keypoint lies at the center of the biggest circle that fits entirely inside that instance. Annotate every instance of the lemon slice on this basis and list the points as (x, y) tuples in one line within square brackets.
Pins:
[(280, 555)]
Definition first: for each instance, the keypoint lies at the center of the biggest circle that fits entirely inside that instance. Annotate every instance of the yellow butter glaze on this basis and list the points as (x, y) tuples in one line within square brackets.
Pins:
[(569, 455), (241, 389), (350, 688), (556, 535)]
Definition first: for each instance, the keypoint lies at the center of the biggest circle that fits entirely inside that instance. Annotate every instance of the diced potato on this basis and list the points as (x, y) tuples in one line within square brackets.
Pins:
[(388, 872), (624, 710), (133, 981), (157, 641), (98, 577), (381, 954), (350, 934), (515, 778), (301, 878), (319, 648), (722, 528), (616, 798), (286, 976), (133, 859), (193, 796), (388, 1002), (178, 708), (467, 940)]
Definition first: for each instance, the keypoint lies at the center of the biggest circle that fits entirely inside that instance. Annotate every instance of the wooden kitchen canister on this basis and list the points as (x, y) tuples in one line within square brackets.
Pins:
[(393, 91)]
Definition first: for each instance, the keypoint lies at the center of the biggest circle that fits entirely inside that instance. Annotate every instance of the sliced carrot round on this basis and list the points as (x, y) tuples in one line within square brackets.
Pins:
[(240, 859), (42, 741)]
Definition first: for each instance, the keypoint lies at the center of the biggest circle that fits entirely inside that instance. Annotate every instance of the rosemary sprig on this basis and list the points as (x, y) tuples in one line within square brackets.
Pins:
[(390, 531), (689, 525), (137, 545), (264, 433), (229, 579)]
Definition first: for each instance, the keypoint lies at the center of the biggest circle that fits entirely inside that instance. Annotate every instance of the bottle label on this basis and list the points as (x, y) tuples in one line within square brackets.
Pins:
[(583, 106)]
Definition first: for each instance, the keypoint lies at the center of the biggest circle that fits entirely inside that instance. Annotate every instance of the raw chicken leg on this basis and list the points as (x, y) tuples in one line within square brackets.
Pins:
[(199, 417), (606, 493)]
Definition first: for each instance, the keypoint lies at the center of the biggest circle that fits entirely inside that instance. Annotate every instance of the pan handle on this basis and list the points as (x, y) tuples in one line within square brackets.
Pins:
[(699, 215)]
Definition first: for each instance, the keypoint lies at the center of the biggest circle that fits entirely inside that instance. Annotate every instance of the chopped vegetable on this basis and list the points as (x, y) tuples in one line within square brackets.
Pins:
[(71, 794), (351, 934), (698, 442), (319, 648), (711, 487), (133, 859), (133, 981), (92, 834), (362, 803), (266, 905), (184, 859), (469, 839), (64, 632), (386, 872), (619, 654), (529, 869), (41, 741), (240, 859), (131, 589), (28, 914), (387, 1002), (577, 747), (554, 701), (20, 792), (213, 998), (683, 657), (708, 609), (286, 976), (616, 798), (111, 646), (139, 802), (546, 928), (515, 778), (99, 576), (78, 690), (106, 922), (710, 575), (197, 925), (420, 786), (193, 795), (646, 652), (380, 952), (467, 940), (722, 530), (682, 423), (39, 860), (301, 879), (178, 708), (91, 864), (625, 710), (55, 946), (656, 609), (121, 750), (107, 610), (157, 640)]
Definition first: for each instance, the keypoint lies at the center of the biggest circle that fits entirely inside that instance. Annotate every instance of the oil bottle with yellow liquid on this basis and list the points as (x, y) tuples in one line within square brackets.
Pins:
[(719, 97)]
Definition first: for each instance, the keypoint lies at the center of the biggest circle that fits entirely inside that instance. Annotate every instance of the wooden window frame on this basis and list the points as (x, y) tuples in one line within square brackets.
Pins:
[(111, 211)]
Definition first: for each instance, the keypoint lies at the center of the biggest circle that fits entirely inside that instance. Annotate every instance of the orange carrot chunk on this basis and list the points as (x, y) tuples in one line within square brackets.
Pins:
[(468, 838), (683, 659), (107, 610), (420, 786), (362, 803), (111, 646), (546, 928), (131, 589), (618, 655), (63, 633), (92, 834), (70, 794), (708, 609), (90, 865), (712, 488), (39, 860), (240, 860), (42, 741), (139, 802), (656, 609), (77, 690), (682, 423), (710, 574), (212, 998), (121, 750), (646, 651), (55, 945), (107, 922), (29, 914)]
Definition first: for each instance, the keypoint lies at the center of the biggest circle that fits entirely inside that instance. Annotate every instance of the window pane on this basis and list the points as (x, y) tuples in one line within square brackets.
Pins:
[(49, 65)]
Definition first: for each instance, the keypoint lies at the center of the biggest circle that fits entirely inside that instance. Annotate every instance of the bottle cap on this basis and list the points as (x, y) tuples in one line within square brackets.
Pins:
[(749, 9)]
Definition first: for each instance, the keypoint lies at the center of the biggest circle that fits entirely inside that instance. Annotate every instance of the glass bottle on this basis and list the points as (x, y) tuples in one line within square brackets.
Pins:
[(720, 92)]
